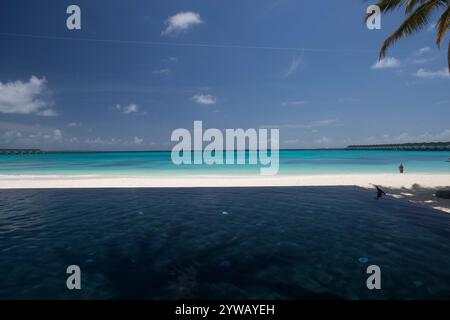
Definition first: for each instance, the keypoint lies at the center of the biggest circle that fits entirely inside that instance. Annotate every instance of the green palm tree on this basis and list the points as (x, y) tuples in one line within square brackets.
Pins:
[(418, 13)]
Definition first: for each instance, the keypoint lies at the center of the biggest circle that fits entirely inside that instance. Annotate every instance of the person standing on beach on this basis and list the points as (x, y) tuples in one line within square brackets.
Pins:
[(401, 168)]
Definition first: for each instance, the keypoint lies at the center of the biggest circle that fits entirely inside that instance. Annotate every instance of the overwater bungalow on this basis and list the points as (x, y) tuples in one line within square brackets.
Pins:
[(19, 151), (424, 146)]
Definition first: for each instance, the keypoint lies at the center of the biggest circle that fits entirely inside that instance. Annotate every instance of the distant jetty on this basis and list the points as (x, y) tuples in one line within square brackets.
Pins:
[(19, 151), (425, 146)]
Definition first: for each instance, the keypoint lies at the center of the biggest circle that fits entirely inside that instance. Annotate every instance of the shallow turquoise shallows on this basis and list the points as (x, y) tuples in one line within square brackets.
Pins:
[(160, 163)]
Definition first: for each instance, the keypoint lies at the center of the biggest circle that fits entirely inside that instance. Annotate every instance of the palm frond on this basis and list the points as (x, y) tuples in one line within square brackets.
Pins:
[(412, 4), (443, 26), (413, 23), (387, 5), (448, 57)]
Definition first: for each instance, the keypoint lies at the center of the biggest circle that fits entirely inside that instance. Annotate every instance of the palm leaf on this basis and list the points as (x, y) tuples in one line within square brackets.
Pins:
[(443, 25), (389, 5), (412, 4), (413, 23), (386, 5)]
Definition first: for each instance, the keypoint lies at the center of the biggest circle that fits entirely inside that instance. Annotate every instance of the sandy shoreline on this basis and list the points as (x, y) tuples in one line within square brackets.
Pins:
[(361, 180)]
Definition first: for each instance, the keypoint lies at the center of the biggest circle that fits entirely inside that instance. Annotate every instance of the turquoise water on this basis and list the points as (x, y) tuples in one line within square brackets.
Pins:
[(160, 164)]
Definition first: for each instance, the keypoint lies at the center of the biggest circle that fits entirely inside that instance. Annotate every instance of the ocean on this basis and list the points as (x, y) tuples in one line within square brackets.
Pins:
[(160, 163), (220, 243)]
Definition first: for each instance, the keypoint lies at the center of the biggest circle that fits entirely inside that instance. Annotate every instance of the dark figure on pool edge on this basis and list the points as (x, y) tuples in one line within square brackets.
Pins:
[(380, 192), (401, 168)]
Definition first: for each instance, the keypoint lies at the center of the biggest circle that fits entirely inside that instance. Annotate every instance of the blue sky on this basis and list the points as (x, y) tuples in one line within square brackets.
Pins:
[(145, 68)]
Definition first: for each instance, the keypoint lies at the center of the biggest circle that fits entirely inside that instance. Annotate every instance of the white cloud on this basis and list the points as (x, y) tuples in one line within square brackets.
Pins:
[(406, 137), (206, 99), (388, 62), (295, 63), (100, 141), (323, 123), (26, 97), (14, 135), (291, 141), (181, 22), (138, 141), (113, 142), (171, 59), (442, 102), (48, 113), (57, 134), (428, 74), (349, 100), (24, 135), (310, 125), (131, 108), (293, 103), (417, 60), (164, 72), (323, 140), (421, 51), (439, 136), (74, 124), (421, 56)]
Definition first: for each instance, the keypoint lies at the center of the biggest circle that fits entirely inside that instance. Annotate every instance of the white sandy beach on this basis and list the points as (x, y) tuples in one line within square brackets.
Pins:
[(361, 180)]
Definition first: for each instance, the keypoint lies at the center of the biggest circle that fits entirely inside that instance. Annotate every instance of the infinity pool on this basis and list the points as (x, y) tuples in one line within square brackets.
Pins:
[(220, 243)]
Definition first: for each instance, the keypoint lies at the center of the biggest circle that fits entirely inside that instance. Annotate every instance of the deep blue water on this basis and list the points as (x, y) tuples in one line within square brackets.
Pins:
[(160, 163), (282, 243)]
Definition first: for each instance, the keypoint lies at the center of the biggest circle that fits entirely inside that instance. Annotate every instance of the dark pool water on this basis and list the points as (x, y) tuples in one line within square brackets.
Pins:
[(220, 243)]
